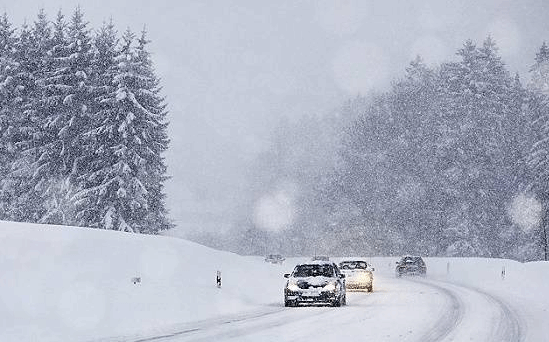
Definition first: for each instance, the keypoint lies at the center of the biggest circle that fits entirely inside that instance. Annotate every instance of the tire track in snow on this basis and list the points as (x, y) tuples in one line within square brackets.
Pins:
[(501, 322), (507, 327), (190, 327), (233, 326), (450, 318), (242, 329)]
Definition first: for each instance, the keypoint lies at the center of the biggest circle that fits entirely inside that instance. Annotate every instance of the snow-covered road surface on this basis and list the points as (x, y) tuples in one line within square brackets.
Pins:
[(473, 315), (406, 309)]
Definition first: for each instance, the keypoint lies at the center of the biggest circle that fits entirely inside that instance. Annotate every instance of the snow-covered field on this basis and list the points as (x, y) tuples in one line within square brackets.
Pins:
[(75, 284)]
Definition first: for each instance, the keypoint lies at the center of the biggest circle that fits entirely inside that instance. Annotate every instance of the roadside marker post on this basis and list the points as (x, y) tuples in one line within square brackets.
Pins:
[(218, 279)]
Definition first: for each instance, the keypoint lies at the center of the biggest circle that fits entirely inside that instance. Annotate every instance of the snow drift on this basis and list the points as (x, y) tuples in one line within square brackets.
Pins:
[(68, 283)]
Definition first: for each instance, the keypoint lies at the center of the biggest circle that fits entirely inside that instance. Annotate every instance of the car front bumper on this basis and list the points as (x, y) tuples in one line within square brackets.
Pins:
[(411, 271), (358, 285), (358, 282), (310, 296)]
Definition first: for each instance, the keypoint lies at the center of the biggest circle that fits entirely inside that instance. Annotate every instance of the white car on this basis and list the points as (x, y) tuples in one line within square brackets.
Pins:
[(315, 282), (358, 275)]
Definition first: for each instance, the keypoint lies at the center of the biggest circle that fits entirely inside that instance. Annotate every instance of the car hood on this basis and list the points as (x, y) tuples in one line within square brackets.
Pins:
[(307, 282), (351, 272)]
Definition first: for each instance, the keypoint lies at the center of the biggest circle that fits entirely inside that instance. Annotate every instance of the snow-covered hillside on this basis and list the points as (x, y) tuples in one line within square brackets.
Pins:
[(75, 284), (66, 283)]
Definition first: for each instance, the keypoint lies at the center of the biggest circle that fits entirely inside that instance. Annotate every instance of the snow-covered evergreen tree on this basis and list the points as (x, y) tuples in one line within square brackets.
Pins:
[(154, 131), (31, 54), (125, 184), (64, 107), (9, 89), (538, 158), (540, 71), (94, 192), (82, 127), (479, 111)]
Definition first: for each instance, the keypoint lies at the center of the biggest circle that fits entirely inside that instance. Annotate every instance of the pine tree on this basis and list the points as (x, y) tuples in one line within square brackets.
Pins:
[(476, 97), (8, 105), (540, 71), (537, 160), (128, 172), (43, 149), (155, 133), (7, 37), (31, 53), (94, 195), (65, 111)]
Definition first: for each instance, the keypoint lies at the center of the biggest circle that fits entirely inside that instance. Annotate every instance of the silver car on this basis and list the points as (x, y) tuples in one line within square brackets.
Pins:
[(358, 275)]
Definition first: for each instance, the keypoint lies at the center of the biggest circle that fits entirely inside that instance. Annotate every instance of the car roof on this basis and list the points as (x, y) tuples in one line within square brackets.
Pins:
[(353, 260), (317, 262)]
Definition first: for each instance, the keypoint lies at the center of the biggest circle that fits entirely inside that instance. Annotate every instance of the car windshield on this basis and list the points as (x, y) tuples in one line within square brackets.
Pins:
[(412, 260), (313, 271), (352, 265)]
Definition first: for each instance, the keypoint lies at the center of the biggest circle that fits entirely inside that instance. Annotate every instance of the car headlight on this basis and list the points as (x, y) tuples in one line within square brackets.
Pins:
[(292, 287), (330, 287), (366, 276)]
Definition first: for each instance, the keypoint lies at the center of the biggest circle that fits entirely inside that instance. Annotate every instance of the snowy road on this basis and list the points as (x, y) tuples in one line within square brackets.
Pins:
[(473, 315), (405, 309)]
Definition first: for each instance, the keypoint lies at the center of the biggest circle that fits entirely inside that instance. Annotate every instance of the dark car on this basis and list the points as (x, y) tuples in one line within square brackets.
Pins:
[(358, 275), (274, 258), (411, 265), (315, 282)]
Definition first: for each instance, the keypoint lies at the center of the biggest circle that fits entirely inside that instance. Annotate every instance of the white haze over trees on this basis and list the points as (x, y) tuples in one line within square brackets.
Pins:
[(450, 161)]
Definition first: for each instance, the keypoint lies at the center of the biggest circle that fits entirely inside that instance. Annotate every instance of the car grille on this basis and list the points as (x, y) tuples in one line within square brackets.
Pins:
[(304, 285)]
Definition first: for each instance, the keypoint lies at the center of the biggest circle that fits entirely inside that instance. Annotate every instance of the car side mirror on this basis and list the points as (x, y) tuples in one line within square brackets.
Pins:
[(287, 275), (373, 269)]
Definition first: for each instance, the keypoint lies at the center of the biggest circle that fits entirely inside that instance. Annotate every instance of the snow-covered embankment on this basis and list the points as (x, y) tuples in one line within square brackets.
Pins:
[(66, 283)]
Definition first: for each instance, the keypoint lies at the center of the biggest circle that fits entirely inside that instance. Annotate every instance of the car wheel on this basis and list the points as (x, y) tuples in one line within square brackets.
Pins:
[(344, 300), (371, 288), (289, 303), (336, 302)]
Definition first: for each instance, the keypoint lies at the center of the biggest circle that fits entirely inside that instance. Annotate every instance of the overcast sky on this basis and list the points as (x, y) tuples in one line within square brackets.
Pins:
[(231, 69)]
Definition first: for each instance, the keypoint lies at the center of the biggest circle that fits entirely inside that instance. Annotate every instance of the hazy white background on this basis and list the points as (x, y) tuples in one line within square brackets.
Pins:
[(231, 69)]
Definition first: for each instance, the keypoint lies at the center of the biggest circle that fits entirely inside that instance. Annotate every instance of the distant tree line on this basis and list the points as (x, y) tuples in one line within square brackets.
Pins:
[(82, 127), (429, 167)]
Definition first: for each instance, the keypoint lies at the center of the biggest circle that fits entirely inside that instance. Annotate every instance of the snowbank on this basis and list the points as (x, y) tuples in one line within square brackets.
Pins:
[(66, 283)]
